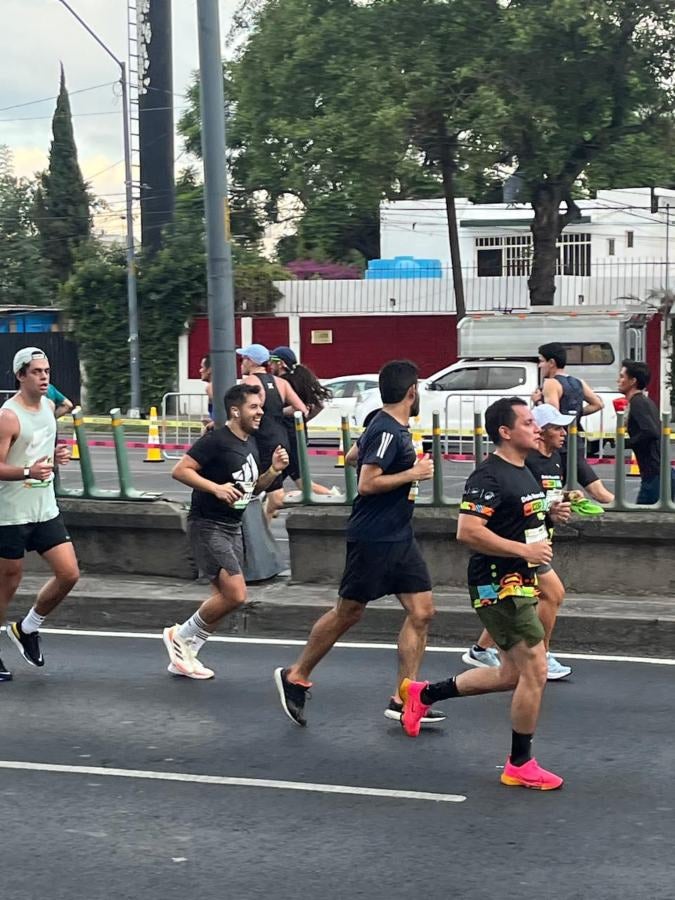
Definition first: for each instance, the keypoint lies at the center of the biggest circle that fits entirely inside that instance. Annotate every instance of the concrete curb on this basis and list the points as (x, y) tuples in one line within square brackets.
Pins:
[(280, 609)]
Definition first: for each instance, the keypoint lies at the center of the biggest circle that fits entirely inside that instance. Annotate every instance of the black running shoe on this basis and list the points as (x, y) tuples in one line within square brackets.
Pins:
[(395, 711), (292, 697), (28, 645), (5, 674)]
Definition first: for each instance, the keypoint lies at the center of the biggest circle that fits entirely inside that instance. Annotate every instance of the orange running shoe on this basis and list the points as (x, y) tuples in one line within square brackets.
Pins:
[(413, 708), (530, 775)]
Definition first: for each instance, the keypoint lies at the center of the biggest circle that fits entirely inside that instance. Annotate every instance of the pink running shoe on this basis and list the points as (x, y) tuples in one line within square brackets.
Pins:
[(413, 708), (530, 775)]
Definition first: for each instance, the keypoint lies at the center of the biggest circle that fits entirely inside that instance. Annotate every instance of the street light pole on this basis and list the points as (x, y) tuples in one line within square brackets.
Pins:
[(218, 247), (132, 297)]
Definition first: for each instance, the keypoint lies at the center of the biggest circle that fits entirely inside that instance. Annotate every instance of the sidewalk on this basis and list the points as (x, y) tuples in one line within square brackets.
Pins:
[(643, 626)]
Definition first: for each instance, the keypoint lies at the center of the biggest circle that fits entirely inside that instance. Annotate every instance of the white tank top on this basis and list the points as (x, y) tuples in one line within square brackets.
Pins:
[(23, 502)]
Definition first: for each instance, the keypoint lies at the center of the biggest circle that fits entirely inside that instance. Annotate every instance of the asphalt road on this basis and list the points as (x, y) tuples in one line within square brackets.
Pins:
[(107, 703)]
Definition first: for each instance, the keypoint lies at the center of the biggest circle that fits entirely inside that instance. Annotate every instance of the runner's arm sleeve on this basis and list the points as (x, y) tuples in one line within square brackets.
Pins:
[(379, 448), (203, 450), (481, 496)]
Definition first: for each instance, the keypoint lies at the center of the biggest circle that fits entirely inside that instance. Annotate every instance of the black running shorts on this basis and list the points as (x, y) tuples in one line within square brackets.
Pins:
[(16, 540), (376, 569)]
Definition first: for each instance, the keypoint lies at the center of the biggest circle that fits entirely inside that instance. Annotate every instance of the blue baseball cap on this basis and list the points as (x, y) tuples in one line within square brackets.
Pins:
[(255, 352)]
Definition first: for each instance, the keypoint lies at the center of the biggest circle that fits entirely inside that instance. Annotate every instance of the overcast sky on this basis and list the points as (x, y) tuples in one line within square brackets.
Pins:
[(36, 36)]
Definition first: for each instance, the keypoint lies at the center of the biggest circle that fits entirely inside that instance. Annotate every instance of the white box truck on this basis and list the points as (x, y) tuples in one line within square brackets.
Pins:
[(498, 358)]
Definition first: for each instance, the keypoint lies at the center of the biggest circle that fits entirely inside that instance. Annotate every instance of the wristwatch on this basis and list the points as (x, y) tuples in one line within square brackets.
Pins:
[(26, 472)]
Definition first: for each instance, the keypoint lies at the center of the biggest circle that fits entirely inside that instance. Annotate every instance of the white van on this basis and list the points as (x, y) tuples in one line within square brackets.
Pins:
[(499, 359)]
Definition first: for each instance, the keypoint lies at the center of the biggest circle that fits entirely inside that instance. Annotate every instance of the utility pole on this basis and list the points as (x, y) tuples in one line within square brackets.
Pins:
[(218, 246), (132, 298)]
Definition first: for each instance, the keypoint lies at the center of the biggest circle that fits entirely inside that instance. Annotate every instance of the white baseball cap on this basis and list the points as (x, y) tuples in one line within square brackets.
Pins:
[(546, 414), (25, 355)]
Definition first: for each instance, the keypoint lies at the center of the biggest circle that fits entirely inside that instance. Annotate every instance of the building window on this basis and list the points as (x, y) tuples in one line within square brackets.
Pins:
[(512, 255), (630, 239), (610, 246)]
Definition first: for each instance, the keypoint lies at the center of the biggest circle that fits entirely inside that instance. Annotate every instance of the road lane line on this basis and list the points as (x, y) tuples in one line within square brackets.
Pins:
[(226, 781), (345, 645)]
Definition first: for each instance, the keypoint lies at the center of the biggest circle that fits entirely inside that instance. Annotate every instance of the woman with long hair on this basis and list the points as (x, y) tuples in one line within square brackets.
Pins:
[(284, 364)]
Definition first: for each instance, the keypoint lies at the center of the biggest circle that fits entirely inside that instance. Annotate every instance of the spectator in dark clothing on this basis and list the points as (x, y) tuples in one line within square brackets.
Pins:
[(644, 430)]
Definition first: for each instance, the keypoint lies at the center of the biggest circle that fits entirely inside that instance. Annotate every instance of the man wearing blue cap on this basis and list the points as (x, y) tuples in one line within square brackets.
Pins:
[(277, 394)]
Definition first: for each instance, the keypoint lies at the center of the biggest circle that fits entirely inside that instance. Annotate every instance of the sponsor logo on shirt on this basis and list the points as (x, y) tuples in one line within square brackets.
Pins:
[(385, 442), (533, 507)]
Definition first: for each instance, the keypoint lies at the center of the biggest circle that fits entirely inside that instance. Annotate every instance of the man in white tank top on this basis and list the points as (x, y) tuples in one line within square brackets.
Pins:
[(29, 515)]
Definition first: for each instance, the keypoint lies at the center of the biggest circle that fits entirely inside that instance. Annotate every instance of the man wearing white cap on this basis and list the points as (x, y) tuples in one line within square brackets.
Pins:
[(277, 394), (547, 467), (29, 516)]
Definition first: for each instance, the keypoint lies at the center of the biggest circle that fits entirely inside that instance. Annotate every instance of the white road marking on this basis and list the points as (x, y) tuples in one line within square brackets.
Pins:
[(346, 645), (226, 781)]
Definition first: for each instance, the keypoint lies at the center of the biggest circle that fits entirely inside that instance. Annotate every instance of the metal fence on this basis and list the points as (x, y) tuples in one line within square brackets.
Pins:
[(182, 421), (608, 282), (666, 502)]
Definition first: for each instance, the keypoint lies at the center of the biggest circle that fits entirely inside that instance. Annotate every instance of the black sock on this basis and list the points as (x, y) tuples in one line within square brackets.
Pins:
[(441, 690), (521, 748)]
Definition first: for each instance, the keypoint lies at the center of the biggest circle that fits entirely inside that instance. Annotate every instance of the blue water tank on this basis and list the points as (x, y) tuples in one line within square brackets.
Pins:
[(404, 267)]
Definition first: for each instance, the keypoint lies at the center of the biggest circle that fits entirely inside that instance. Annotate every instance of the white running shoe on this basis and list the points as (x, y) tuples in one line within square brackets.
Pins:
[(201, 672), (482, 659), (181, 652), (556, 670)]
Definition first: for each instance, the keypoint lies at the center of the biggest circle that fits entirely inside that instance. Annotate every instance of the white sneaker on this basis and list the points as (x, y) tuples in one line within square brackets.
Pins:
[(336, 492), (201, 672), (556, 670), (181, 652), (482, 659)]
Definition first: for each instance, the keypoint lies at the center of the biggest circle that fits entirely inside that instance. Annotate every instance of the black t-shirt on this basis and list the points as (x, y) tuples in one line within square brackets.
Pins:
[(223, 458), (549, 472), (513, 504), (384, 517), (644, 430)]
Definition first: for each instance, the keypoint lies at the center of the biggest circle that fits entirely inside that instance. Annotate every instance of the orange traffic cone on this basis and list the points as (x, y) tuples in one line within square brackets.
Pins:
[(153, 453), (75, 449), (634, 469)]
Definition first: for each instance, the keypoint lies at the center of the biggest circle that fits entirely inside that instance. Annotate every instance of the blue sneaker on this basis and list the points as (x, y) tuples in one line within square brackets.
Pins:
[(482, 659), (556, 670)]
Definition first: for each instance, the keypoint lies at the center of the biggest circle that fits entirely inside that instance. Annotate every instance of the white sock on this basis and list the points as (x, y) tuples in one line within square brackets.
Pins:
[(32, 622), (194, 629)]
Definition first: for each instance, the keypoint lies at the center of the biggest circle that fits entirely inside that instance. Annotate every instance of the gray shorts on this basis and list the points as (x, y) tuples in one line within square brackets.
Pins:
[(216, 546), (544, 569)]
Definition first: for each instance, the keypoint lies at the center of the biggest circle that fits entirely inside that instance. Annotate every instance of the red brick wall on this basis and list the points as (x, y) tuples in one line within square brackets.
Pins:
[(365, 343)]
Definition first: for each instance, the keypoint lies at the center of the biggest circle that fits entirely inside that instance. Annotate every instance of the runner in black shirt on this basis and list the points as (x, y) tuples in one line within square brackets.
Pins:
[(546, 466), (644, 430), (382, 554), (502, 518), (223, 470)]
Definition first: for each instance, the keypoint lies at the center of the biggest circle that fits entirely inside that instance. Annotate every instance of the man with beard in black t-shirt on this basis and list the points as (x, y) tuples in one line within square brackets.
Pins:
[(502, 519), (382, 553), (222, 468)]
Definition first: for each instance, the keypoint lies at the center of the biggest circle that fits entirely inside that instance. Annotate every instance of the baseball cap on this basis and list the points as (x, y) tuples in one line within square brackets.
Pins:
[(284, 355), (21, 357), (546, 414), (256, 352)]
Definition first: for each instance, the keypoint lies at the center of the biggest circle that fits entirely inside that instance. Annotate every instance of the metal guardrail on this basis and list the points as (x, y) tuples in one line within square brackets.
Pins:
[(178, 430), (479, 448), (89, 489)]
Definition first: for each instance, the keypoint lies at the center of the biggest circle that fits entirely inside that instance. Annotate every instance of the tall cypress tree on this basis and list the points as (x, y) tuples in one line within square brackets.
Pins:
[(62, 201)]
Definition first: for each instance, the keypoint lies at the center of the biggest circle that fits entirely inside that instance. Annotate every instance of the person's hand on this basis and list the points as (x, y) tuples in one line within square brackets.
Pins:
[(423, 469), (560, 512), (537, 396), (41, 469), (280, 458), (227, 493), (538, 553), (62, 455)]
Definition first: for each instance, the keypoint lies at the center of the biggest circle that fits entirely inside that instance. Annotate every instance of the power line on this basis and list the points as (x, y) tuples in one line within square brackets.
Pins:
[(94, 87)]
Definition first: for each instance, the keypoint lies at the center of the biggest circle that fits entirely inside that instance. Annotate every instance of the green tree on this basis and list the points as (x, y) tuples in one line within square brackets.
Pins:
[(24, 278), (62, 201), (312, 114), (568, 82)]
